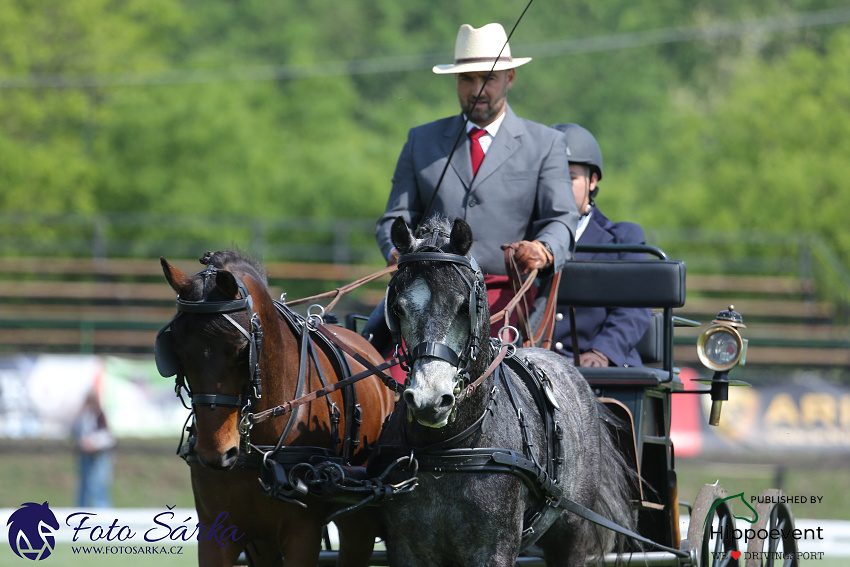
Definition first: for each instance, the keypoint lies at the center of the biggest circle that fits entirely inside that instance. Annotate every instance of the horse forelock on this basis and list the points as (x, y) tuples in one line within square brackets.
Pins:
[(204, 288), (434, 235), (238, 263)]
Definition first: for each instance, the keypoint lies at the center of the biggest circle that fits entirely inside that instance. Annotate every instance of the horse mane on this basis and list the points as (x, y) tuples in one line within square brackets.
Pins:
[(236, 261)]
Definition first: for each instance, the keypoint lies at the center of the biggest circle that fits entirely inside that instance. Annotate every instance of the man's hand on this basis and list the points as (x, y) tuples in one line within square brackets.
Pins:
[(592, 358), (530, 255)]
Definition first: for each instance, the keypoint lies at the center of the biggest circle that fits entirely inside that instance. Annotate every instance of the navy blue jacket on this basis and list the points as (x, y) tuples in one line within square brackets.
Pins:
[(614, 332)]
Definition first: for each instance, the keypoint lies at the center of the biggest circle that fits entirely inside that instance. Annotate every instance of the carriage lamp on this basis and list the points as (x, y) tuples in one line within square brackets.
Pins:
[(720, 348)]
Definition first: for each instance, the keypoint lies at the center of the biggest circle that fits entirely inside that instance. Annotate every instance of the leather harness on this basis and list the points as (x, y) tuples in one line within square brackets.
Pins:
[(278, 458)]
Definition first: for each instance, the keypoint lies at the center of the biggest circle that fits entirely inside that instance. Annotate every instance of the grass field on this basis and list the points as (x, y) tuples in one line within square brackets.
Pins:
[(149, 474), (146, 474)]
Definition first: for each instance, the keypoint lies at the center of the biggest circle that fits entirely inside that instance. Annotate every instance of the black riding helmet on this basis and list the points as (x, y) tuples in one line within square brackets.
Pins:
[(582, 148)]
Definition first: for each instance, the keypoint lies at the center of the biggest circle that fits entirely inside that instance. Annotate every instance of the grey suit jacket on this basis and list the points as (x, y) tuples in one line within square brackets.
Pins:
[(522, 190)]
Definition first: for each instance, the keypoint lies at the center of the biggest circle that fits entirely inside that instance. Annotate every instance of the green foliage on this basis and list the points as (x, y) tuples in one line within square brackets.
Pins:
[(768, 155), (273, 110)]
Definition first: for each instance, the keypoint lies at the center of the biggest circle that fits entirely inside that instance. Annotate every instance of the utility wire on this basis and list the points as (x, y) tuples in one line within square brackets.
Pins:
[(383, 65)]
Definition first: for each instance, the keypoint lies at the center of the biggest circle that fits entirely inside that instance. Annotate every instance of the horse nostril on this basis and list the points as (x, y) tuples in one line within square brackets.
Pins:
[(447, 401), (229, 457), (410, 398)]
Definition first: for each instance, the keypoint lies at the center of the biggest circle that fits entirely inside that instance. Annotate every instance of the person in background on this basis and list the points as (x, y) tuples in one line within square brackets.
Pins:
[(506, 178), (606, 336), (94, 444)]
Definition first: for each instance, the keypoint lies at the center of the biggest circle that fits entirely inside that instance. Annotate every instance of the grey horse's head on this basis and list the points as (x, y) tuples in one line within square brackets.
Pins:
[(438, 304)]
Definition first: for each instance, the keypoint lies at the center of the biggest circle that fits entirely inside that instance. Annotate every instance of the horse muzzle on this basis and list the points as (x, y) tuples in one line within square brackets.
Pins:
[(217, 444), (430, 396), (220, 461)]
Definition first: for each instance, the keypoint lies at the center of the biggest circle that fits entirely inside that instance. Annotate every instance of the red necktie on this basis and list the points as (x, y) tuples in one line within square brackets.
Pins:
[(475, 149)]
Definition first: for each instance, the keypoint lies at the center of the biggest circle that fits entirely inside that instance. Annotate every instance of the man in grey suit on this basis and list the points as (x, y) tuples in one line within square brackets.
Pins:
[(520, 195), (507, 176)]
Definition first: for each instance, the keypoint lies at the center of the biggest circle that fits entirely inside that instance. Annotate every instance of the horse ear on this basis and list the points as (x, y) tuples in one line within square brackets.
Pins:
[(401, 236), (179, 281), (461, 237), (226, 283)]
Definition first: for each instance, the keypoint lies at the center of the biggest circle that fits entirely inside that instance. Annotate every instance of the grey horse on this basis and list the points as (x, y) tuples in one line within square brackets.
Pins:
[(472, 508)]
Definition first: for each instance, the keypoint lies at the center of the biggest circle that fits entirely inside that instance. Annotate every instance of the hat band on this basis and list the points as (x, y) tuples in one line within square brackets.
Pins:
[(482, 60)]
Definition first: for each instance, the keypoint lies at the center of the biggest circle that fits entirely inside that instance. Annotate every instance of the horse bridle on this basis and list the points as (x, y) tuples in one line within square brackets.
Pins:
[(477, 297), (169, 365)]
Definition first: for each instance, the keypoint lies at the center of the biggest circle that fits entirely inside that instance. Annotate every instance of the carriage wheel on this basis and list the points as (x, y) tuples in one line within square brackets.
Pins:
[(707, 518), (767, 551)]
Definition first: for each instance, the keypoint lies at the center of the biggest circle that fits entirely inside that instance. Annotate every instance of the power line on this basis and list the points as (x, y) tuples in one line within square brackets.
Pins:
[(381, 65)]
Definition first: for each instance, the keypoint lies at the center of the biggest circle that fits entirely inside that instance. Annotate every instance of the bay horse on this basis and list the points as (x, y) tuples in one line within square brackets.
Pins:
[(237, 352), (497, 447)]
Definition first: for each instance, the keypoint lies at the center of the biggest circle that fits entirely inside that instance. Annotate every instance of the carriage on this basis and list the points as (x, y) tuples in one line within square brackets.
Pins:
[(636, 399)]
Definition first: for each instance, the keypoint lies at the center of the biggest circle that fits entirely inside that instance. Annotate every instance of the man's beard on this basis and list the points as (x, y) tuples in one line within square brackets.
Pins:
[(481, 114)]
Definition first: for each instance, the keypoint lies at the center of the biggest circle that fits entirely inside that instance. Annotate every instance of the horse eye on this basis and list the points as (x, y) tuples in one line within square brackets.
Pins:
[(400, 306), (244, 354)]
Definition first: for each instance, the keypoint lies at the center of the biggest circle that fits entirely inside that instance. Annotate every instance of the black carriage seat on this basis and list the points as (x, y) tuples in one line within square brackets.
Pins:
[(655, 283)]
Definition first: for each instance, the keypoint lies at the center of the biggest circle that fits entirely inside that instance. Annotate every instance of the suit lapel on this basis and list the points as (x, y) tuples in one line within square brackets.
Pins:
[(461, 160)]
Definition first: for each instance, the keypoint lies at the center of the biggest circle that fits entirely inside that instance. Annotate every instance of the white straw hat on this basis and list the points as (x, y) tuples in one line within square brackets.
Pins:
[(476, 50)]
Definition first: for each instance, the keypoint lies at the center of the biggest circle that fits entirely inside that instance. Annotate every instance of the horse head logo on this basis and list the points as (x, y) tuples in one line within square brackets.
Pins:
[(31, 530), (741, 496)]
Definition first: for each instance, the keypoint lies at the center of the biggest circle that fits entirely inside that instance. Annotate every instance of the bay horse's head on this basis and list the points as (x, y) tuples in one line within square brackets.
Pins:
[(437, 303), (213, 347)]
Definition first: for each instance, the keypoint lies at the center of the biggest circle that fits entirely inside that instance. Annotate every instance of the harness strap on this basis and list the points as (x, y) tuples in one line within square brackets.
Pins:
[(600, 520), (503, 460), (543, 335), (435, 350), (289, 406), (497, 360), (516, 282), (353, 412), (214, 306), (302, 373), (217, 400), (478, 426), (333, 410), (331, 336)]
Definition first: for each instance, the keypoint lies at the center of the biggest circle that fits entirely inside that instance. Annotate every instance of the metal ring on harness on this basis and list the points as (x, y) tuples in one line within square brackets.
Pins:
[(313, 320), (510, 329)]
